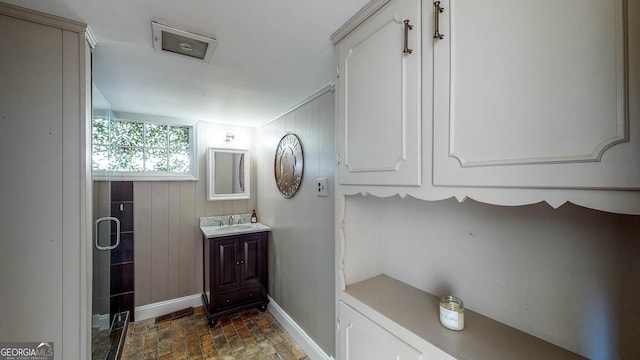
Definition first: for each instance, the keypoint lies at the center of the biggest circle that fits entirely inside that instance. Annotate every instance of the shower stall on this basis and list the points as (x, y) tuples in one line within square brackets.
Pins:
[(112, 243)]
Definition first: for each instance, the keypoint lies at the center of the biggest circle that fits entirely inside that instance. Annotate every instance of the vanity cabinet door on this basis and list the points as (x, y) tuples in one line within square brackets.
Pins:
[(226, 264), (252, 259), (378, 98), (535, 94), (240, 261)]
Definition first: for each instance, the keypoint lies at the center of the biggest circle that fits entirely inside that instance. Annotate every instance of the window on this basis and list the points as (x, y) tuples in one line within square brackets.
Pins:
[(135, 149)]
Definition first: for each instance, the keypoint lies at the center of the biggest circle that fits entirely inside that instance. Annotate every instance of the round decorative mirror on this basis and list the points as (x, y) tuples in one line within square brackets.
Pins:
[(289, 165)]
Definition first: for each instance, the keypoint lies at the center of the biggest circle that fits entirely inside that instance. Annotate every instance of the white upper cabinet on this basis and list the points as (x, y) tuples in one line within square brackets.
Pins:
[(378, 98), (518, 102), (533, 94)]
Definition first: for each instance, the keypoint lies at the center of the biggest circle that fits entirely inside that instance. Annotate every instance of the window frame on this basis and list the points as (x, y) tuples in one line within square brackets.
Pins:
[(108, 175)]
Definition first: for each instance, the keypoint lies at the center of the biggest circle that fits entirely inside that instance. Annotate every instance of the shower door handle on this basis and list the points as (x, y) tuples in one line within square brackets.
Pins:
[(108, 247)]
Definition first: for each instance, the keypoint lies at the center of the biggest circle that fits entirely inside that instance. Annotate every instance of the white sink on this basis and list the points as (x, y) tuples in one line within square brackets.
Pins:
[(226, 230), (234, 228)]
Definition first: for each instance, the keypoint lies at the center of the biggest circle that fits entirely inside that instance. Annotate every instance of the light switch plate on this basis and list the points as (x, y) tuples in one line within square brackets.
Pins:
[(321, 185)]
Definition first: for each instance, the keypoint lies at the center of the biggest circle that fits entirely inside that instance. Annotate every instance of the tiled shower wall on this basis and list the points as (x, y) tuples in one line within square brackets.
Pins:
[(113, 271), (122, 260)]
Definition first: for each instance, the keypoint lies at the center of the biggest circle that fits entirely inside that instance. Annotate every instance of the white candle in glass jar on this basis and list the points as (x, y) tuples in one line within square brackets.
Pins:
[(452, 312)]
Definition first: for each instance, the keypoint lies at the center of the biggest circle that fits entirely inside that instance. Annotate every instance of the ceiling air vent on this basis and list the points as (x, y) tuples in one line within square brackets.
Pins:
[(176, 41)]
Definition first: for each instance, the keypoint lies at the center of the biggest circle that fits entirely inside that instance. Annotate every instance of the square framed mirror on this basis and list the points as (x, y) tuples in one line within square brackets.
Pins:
[(228, 174)]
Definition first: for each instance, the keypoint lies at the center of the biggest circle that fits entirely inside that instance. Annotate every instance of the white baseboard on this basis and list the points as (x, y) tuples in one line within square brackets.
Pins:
[(165, 307), (301, 338)]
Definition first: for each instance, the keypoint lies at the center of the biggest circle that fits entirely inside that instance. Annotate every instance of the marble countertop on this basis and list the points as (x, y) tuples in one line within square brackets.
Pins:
[(237, 229)]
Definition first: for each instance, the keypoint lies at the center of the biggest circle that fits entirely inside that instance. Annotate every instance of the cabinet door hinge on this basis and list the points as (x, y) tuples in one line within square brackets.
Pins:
[(337, 158), (337, 71)]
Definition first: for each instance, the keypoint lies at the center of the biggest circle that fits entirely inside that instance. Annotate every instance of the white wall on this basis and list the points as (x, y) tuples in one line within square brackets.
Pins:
[(570, 276), (301, 250)]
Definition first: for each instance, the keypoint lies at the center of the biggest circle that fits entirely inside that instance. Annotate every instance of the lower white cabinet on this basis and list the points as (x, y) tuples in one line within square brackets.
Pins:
[(361, 338)]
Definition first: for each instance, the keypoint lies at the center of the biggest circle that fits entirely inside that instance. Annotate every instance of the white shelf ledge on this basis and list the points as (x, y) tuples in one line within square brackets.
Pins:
[(417, 311)]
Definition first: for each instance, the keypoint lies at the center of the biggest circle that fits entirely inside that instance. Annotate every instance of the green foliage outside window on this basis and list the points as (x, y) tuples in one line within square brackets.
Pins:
[(126, 146)]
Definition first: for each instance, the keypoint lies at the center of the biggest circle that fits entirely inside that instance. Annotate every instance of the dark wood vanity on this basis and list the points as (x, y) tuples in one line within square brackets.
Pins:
[(235, 273)]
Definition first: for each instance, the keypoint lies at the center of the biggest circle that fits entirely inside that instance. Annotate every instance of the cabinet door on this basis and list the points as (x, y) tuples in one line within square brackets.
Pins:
[(361, 338), (226, 266), (253, 257), (534, 94), (378, 99)]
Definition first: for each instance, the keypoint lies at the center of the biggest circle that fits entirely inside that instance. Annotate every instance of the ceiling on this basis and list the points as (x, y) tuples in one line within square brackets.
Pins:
[(270, 54)]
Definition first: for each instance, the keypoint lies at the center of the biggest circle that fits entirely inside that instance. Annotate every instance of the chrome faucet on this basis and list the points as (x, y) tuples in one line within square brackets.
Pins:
[(221, 223), (231, 220)]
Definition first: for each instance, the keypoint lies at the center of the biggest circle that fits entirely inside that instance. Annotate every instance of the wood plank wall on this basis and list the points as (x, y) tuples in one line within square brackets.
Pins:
[(168, 243), (165, 250), (301, 248)]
